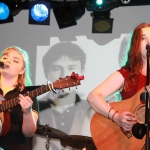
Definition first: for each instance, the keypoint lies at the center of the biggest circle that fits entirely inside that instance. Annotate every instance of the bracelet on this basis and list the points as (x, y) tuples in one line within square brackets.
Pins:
[(109, 112), (114, 115)]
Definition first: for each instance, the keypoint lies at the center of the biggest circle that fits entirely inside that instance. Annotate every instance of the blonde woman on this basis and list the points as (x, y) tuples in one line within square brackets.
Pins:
[(14, 79)]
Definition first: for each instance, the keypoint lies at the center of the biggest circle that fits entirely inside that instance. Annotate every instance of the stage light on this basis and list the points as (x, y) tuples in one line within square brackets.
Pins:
[(102, 23), (39, 13), (5, 12), (64, 17)]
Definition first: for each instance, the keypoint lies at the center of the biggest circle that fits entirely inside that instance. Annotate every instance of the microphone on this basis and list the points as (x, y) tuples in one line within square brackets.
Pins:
[(147, 47), (2, 65)]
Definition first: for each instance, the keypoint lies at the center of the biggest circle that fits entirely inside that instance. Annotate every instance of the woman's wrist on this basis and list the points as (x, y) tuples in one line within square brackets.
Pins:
[(109, 113), (112, 114), (27, 111)]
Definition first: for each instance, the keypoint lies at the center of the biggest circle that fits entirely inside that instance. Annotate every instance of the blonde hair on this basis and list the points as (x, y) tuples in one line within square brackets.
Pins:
[(23, 79)]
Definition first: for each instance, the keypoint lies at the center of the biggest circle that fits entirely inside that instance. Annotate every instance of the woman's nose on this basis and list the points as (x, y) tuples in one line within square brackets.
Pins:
[(148, 45)]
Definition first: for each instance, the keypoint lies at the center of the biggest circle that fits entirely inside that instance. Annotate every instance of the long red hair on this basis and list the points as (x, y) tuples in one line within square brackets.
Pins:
[(135, 62)]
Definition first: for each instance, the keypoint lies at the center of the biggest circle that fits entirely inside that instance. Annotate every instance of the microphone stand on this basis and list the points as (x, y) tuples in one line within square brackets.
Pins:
[(147, 106)]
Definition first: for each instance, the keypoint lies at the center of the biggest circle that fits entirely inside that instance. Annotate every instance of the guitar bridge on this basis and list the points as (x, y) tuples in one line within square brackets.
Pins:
[(127, 133)]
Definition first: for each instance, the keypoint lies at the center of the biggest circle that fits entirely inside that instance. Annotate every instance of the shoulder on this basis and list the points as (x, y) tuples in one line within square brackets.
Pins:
[(124, 71)]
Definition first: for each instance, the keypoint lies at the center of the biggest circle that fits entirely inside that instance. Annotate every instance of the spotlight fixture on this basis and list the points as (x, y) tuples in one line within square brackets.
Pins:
[(39, 13), (64, 16), (102, 23), (5, 12)]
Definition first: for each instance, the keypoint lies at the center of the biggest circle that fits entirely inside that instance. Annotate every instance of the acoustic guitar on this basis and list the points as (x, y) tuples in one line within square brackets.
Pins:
[(107, 135), (5, 106)]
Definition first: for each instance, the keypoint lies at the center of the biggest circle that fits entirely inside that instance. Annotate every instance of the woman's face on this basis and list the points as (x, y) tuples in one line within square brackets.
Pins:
[(14, 62), (145, 41)]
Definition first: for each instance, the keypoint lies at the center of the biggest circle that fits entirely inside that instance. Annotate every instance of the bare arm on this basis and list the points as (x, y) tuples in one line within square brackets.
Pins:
[(30, 117), (29, 123), (96, 99)]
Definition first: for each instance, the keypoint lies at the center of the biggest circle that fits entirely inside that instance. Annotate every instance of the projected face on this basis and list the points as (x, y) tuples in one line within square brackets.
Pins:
[(63, 67)]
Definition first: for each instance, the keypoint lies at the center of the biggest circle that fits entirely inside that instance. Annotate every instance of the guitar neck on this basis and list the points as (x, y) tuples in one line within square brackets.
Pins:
[(15, 101), (66, 82)]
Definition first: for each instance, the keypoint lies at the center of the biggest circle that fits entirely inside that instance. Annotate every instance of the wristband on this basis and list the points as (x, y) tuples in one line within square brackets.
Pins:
[(109, 112), (114, 115)]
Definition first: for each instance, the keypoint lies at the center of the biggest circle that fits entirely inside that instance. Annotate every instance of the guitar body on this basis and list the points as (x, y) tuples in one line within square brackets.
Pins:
[(108, 135), (4, 121)]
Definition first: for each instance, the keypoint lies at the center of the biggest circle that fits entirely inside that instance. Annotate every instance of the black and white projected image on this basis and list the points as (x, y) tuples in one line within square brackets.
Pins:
[(69, 111)]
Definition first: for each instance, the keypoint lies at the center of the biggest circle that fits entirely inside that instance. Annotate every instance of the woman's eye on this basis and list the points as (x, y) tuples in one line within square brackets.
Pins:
[(4, 58), (15, 61)]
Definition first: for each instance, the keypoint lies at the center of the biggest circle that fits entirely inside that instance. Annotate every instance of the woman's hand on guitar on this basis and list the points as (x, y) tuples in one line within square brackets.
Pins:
[(126, 120), (26, 103)]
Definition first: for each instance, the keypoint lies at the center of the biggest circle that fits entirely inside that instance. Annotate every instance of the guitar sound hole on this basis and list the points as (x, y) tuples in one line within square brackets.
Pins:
[(140, 114)]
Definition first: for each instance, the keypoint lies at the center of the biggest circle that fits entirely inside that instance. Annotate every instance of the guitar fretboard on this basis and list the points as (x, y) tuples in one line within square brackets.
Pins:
[(15, 101), (66, 82)]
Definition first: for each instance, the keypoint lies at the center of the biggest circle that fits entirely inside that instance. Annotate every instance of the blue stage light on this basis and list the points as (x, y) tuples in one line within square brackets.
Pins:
[(39, 13), (4, 11)]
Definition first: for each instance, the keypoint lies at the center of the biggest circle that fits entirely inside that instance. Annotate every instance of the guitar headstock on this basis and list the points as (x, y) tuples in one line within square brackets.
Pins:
[(68, 81)]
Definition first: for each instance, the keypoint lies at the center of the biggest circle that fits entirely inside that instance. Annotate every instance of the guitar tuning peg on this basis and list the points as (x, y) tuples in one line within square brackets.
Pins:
[(62, 90)]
